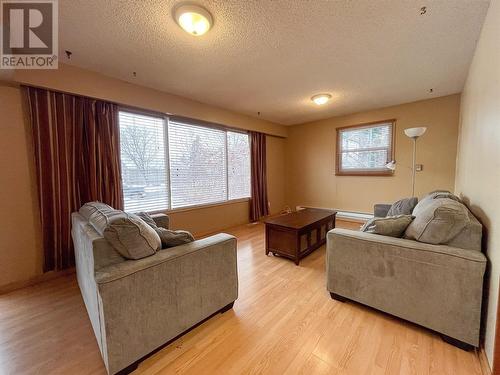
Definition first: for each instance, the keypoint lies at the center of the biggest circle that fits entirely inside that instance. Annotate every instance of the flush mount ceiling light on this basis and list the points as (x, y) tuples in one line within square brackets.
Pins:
[(321, 99), (194, 19)]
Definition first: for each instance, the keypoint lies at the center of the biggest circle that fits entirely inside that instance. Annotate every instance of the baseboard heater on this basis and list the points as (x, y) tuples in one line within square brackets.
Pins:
[(345, 215)]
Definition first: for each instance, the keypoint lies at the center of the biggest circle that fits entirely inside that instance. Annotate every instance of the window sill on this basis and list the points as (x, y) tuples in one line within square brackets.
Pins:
[(366, 173), (200, 206)]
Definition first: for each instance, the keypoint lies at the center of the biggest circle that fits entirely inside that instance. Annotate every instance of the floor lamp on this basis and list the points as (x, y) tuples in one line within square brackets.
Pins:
[(414, 133)]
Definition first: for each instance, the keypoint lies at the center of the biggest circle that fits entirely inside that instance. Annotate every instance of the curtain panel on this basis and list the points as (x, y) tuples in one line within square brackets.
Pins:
[(258, 202), (77, 160)]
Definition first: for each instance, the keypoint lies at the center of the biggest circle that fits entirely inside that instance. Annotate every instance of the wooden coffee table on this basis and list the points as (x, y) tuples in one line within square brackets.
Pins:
[(297, 234)]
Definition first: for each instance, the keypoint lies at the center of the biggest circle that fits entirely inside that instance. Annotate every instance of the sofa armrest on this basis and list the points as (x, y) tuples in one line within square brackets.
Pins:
[(124, 269), (161, 220), (381, 210)]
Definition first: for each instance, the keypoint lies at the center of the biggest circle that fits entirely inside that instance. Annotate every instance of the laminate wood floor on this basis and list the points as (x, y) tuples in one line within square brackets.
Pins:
[(284, 322)]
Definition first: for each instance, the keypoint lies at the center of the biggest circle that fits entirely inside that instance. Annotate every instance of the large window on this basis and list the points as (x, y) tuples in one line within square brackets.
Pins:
[(364, 150), (169, 163)]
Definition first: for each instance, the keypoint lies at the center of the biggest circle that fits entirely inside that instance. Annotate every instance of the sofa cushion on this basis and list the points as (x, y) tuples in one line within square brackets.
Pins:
[(447, 194), (423, 203), (171, 238), (147, 219), (429, 198), (89, 208), (438, 221), (393, 226), (131, 236), (470, 237), (403, 206), (161, 220), (102, 217)]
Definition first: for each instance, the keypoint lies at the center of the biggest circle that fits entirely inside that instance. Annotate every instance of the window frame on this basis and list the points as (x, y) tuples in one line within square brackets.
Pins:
[(374, 172), (169, 117)]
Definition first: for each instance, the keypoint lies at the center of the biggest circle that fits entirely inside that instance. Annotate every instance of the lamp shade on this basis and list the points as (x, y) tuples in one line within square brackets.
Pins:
[(391, 165), (415, 132)]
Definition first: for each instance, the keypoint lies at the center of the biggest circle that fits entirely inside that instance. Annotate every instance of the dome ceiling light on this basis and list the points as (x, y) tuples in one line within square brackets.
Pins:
[(321, 99), (193, 19)]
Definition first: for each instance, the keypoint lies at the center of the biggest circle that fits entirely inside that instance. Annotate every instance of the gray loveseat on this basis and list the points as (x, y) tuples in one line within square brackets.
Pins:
[(438, 286), (136, 306)]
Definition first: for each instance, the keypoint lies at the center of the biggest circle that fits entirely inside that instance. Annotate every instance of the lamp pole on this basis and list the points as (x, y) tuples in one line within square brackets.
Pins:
[(414, 133), (414, 166)]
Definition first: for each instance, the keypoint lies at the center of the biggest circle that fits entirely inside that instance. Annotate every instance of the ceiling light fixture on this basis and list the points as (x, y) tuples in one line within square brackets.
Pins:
[(321, 99), (194, 19)]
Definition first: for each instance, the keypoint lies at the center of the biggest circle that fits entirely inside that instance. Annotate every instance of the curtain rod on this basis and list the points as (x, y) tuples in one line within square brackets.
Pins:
[(151, 111)]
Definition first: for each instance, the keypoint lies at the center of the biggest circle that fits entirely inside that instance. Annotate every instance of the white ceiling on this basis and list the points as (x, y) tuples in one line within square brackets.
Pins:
[(272, 56)]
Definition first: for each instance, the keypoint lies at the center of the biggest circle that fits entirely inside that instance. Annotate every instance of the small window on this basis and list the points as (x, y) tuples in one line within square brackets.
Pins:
[(364, 150)]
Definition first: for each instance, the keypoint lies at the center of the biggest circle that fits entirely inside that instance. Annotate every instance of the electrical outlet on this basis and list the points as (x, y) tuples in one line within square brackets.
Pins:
[(419, 167)]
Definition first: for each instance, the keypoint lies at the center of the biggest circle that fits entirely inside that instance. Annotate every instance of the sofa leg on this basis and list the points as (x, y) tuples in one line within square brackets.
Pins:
[(227, 308), (337, 297), (129, 369), (459, 344)]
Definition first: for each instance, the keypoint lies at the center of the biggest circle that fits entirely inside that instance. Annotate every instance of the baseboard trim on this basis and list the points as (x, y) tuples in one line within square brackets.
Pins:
[(351, 219), (7, 288), (351, 216), (483, 361)]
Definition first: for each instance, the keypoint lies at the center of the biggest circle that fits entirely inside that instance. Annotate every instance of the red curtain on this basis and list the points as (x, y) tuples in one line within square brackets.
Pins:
[(258, 203), (76, 146)]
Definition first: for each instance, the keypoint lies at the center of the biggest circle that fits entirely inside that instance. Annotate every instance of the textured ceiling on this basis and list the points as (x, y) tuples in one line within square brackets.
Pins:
[(272, 56)]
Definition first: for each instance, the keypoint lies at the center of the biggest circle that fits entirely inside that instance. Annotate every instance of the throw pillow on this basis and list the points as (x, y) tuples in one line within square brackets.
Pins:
[(403, 207), (147, 219), (91, 207), (101, 218), (132, 237), (438, 222), (447, 194), (393, 226), (434, 192), (171, 238), (429, 198)]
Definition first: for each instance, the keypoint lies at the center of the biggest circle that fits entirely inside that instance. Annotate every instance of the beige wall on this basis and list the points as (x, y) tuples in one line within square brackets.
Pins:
[(20, 249), (478, 163), (20, 252), (310, 156), (208, 219)]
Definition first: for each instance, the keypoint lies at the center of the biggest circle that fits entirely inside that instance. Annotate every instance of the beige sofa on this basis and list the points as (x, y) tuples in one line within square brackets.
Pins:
[(438, 286), (136, 306)]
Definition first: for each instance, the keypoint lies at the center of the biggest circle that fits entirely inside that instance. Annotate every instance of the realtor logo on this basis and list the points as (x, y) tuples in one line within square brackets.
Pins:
[(29, 34)]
